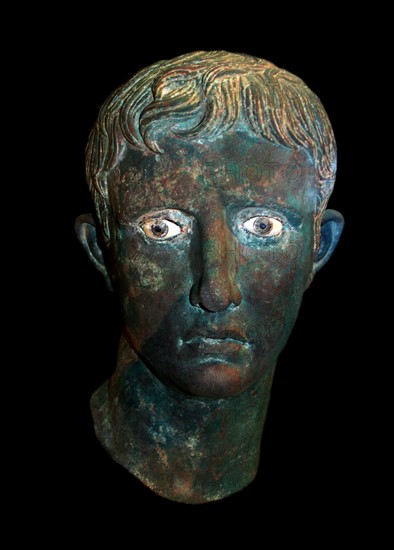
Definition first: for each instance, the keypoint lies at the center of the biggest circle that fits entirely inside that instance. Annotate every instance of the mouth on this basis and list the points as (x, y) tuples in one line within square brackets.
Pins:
[(211, 343), (213, 336)]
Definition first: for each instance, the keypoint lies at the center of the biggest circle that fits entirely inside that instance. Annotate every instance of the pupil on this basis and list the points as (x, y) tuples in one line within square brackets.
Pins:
[(262, 225), (157, 229)]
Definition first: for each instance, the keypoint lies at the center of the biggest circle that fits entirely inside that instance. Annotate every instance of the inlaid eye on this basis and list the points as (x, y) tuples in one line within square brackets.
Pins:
[(263, 226), (160, 229)]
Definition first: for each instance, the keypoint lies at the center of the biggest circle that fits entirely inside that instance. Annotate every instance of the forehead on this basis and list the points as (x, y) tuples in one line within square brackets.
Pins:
[(233, 169)]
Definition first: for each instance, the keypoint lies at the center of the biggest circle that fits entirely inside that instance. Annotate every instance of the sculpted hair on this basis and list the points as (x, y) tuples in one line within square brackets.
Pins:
[(201, 95)]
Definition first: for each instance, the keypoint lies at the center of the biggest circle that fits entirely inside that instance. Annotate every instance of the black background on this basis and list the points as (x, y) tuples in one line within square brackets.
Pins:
[(316, 447)]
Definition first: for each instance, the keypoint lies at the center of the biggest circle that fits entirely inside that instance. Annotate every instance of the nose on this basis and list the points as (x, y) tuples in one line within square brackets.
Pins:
[(215, 288)]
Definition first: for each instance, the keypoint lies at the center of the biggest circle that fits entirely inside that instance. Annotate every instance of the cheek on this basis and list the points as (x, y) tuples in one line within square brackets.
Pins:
[(145, 276), (268, 285), (272, 295), (149, 283), (273, 280)]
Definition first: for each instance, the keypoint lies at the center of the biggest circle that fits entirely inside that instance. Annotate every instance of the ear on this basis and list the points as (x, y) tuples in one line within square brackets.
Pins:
[(85, 228), (331, 230)]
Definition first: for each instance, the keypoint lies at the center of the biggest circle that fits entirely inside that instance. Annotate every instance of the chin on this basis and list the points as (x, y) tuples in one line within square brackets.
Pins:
[(216, 381)]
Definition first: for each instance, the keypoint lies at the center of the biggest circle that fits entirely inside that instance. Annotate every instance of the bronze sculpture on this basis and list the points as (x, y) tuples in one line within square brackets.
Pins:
[(210, 174)]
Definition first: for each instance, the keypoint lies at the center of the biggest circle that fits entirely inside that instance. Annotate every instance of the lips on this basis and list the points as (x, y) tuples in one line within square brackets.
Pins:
[(215, 342), (215, 336)]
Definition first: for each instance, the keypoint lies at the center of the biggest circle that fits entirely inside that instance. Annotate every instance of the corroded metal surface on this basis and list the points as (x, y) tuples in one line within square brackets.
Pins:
[(210, 175)]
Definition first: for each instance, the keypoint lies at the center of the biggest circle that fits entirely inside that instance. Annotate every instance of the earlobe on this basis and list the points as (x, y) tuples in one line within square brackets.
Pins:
[(331, 230), (85, 228)]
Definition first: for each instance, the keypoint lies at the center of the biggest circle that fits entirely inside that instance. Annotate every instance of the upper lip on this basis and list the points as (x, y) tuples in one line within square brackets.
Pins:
[(220, 334)]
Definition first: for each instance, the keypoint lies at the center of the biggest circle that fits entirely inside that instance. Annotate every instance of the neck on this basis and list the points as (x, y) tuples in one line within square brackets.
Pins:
[(186, 449)]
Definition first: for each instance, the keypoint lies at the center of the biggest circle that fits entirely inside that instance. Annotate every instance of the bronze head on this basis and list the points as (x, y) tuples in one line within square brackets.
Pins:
[(210, 175)]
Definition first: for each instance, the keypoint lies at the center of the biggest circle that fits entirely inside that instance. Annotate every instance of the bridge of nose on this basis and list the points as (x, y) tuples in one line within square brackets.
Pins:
[(217, 288)]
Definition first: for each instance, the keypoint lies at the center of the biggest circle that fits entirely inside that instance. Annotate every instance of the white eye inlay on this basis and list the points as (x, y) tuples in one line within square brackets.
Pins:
[(263, 226), (160, 229)]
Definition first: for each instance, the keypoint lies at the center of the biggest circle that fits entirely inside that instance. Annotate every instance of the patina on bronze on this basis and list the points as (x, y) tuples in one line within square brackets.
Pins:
[(210, 174)]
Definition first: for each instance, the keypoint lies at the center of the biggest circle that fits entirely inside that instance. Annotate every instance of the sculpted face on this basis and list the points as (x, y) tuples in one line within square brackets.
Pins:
[(211, 251)]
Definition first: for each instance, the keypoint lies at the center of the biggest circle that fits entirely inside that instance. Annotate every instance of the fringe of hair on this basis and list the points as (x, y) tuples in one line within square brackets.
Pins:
[(202, 95)]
